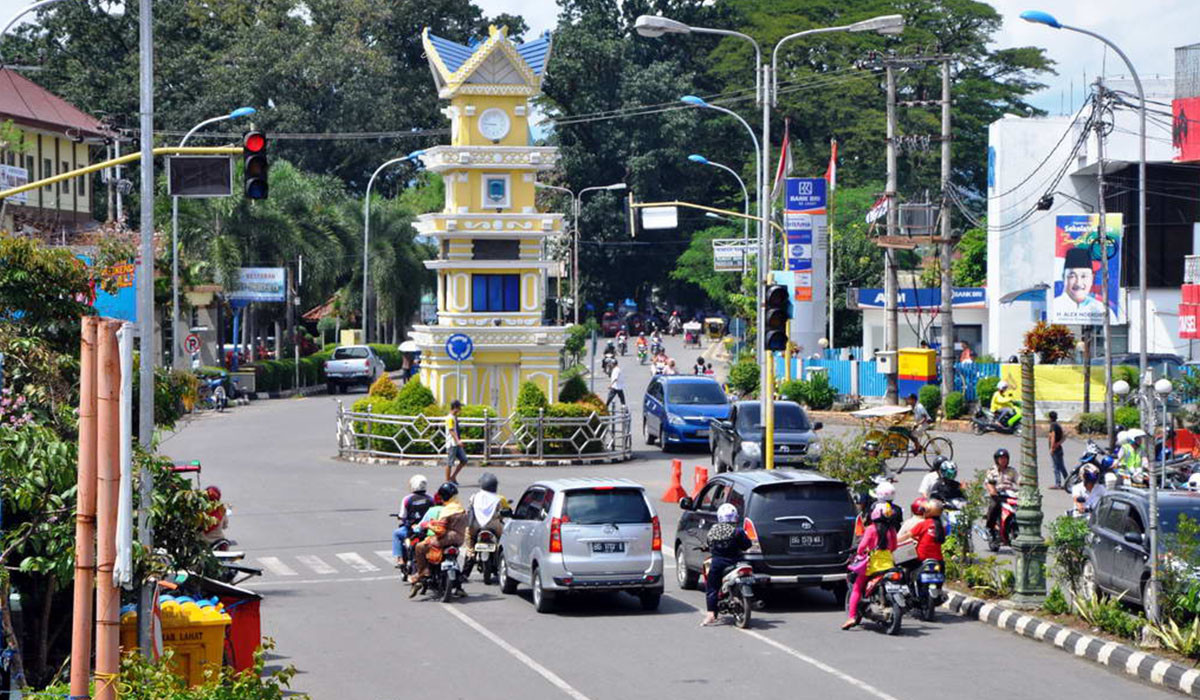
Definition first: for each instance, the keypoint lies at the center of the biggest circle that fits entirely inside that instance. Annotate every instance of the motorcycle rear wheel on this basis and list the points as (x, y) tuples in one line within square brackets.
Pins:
[(930, 607), (447, 591), (740, 608), (892, 625)]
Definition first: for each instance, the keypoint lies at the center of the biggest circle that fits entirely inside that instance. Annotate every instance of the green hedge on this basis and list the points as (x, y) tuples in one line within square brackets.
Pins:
[(390, 354), (1126, 417), (984, 388), (954, 405), (1091, 423), (930, 397)]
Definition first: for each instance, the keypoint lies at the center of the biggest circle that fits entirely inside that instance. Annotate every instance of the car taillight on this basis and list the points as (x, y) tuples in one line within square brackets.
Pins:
[(556, 535), (366, 363), (748, 527), (656, 539)]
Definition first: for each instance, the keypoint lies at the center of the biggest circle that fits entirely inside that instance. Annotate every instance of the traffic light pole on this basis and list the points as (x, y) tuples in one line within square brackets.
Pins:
[(145, 304), (128, 158)]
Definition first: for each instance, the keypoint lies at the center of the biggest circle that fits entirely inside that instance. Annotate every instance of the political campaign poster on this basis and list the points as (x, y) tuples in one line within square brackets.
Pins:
[(1080, 258), (114, 289)]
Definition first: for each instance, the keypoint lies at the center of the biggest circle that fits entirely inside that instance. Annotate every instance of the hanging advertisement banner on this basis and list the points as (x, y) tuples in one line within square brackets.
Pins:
[(1079, 253), (11, 176), (1185, 129), (732, 254), (806, 228)]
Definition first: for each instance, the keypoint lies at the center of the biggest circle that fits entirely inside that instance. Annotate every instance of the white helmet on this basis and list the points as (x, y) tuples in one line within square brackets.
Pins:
[(727, 513), (885, 491), (1002, 386), (418, 483), (1193, 482), (1123, 438)]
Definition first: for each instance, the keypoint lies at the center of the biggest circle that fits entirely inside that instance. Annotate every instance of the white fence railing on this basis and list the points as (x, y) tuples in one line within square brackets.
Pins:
[(492, 439)]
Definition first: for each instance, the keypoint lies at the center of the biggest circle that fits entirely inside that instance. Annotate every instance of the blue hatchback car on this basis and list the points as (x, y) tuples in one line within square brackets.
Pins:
[(678, 409)]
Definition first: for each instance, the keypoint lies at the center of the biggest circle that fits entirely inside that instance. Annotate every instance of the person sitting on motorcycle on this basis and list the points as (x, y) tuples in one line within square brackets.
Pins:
[(670, 369), (882, 536), (1005, 406), (412, 510), (447, 531), (1000, 480), (640, 343), (932, 476), (918, 514), (1088, 492), (218, 514), (947, 489), (622, 340), (610, 350), (1132, 464), (929, 532), (699, 367), (885, 492), (862, 508), (484, 507), (726, 541)]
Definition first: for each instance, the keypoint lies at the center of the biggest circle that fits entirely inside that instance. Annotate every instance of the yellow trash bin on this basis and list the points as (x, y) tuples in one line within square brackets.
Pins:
[(195, 633)]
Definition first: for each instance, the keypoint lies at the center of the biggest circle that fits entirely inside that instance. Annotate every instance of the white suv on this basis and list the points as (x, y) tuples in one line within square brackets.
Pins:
[(583, 534)]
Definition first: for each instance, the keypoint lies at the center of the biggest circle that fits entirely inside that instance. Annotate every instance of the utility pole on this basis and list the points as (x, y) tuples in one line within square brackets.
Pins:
[(947, 242), (891, 284), (1098, 119)]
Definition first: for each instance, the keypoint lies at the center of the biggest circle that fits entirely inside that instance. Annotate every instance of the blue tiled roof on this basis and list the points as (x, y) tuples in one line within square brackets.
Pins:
[(453, 54), (535, 52)]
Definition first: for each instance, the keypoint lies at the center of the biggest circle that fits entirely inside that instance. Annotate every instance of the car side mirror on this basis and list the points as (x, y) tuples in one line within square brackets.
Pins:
[(506, 513), (686, 503), (1134, 538), (817, 426)]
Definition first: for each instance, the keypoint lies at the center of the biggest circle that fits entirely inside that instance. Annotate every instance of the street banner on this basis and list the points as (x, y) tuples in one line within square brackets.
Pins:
[(729, 254), (1185, 129), (258, 284), (11, 176), (805, 223), (114, 289), (1078, 256)]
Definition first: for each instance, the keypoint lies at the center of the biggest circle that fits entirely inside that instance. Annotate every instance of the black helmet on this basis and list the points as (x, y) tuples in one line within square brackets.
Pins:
[(488, 482), (937, 463), (863, 498), (447, 491), (999, 453)]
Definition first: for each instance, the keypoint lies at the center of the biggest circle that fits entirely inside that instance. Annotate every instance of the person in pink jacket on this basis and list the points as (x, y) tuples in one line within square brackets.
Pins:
[(880, 536)]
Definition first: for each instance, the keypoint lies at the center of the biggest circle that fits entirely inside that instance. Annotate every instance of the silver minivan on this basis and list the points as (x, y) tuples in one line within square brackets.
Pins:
[(583, 534)]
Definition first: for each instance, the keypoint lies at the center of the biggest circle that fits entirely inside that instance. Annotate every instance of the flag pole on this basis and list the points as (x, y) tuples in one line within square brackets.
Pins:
[(831, 175)]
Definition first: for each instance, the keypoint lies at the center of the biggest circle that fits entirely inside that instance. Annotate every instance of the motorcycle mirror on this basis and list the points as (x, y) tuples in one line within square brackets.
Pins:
[(685, 503)]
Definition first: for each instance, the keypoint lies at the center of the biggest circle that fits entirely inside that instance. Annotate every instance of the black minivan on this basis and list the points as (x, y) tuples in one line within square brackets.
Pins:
[(801, 524)]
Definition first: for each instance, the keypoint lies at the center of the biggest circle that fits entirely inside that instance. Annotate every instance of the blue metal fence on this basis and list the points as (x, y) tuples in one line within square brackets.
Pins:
[(872, 383), (967, 375)]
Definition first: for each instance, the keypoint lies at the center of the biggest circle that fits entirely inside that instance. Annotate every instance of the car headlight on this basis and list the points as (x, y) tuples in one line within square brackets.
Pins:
[(814, 449), (751, 449), (675, 420)]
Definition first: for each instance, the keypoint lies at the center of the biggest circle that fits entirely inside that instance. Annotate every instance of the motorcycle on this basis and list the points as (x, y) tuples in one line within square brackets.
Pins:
[(885, 599), (984, 422), (656, 348), (445, 578), (1093, 455), (925, 586), (642, 355), (483, 555), (608, 363), (623, 347), (736, 596), (1005, 531), (950, 514), (674, 326)]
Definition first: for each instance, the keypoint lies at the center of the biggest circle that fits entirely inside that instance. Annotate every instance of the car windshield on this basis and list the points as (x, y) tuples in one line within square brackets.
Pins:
[(600, 506), (788, 416), (1168, 515), (350, 354), (819, 501), (695, 393)]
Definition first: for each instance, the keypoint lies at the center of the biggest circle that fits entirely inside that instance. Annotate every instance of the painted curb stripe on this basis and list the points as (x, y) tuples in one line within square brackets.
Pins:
[(1105, 652), (1188, 679)]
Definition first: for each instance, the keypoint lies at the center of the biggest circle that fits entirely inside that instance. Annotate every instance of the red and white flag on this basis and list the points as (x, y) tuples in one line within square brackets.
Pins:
[(785, 161), (831, 171), (878, 210)]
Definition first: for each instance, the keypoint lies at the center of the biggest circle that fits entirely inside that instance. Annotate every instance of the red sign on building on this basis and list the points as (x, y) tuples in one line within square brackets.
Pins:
[(1185, 129)]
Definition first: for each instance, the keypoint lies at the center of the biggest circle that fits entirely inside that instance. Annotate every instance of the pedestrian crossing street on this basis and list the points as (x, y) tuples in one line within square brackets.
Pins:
[(281, 569)]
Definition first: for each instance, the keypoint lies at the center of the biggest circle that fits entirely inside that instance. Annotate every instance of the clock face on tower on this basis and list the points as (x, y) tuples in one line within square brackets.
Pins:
[(494, 124)]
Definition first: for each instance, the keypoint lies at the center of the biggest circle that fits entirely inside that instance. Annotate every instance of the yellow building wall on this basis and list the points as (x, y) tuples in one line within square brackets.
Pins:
[(467, 133), (45, 155)]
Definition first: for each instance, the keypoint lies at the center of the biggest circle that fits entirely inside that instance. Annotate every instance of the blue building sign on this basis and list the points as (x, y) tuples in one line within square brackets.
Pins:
[(925, 298)]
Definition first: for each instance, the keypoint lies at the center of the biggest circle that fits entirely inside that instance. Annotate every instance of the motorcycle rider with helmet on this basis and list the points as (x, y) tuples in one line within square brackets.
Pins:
[(726, 541), (931, 478), (412, 510), (885, 492), (1000, 479), (1088, 492), (881, 536), (1005, 406), (947, 488), (447, 531), (484, 509)]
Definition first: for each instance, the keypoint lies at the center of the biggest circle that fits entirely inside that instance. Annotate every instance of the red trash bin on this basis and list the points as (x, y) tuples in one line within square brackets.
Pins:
[(245, 632)]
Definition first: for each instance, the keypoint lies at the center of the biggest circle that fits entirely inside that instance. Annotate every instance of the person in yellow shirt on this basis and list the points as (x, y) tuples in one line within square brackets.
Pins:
[(456, 455), (1005, 407)]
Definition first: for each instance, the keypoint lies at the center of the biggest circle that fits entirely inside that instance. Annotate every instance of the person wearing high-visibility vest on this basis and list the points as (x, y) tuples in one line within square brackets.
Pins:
[(1005, 406), (1131, 458)]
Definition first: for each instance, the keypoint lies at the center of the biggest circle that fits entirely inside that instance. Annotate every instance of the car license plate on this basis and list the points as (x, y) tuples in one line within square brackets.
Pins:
[(892, 587), (446, 565), (485, 547), (608, 547), (932, 578), (703, 432), (806, 541)]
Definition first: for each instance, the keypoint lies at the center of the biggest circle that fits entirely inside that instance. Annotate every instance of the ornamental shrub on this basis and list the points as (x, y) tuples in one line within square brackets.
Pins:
[(412, 398), (390, 354), (930, 397), (743, 377), (384, 387), (791, 389), (954, 405), (984, 388), (1127, 417), (1091, 424), (574, 388), (530, 398), (1068, 540)]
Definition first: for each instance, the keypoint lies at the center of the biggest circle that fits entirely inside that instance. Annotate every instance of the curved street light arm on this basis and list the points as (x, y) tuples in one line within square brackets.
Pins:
[(367, 234), (20, 14), (758, 85), (784, 40)]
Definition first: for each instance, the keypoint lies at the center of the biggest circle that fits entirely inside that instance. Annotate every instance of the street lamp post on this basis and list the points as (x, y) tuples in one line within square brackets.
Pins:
[(176, 355), (1040, 17), (367, 234), (576, 205), (12, 22), (697, 158)]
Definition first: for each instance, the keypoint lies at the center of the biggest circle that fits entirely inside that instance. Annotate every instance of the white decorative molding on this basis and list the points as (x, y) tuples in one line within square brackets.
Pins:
[(470, 110), (528, 210), (441, 158)]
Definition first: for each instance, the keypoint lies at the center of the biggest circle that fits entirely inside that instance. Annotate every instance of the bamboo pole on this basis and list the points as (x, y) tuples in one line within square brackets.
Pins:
[(108, 442), (85, 514)]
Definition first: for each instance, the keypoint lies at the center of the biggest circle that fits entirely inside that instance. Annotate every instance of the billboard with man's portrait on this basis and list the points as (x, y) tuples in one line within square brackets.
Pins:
[(1080, 255)]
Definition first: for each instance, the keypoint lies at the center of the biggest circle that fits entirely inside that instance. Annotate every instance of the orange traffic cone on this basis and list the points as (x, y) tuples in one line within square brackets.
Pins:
[(699, 480), (675, 490)]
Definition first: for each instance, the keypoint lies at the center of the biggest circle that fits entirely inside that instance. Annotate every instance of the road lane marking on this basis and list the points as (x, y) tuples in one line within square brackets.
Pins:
[(355, 561), (516, 653), (276, 566), (386, 555), (301, 582), (314, 562), (861, 685)]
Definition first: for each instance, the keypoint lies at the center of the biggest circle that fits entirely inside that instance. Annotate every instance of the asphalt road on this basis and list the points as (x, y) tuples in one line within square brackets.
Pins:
[(339, 613)]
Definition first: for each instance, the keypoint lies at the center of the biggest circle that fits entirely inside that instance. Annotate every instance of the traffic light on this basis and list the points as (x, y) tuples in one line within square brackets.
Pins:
[(777, 312), (255, 166)]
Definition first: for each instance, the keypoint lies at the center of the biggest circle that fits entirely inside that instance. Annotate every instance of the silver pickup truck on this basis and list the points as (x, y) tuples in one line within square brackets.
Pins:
[(352, 364)]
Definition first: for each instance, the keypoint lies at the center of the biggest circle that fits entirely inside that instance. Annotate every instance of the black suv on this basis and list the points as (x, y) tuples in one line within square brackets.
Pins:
[(1118, 551), (801, 523), (736, 443)]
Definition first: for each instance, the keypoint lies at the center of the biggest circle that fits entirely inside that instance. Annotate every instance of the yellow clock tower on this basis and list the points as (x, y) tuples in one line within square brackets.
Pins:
[(491, 265)]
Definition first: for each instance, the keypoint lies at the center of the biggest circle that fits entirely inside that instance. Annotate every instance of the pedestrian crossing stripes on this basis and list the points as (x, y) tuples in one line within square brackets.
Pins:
[(277, 567), (355, 561), (314, 562), (299, 566)]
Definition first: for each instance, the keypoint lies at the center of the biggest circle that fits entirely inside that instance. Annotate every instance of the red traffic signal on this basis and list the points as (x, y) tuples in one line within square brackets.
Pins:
[(254, 165)]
